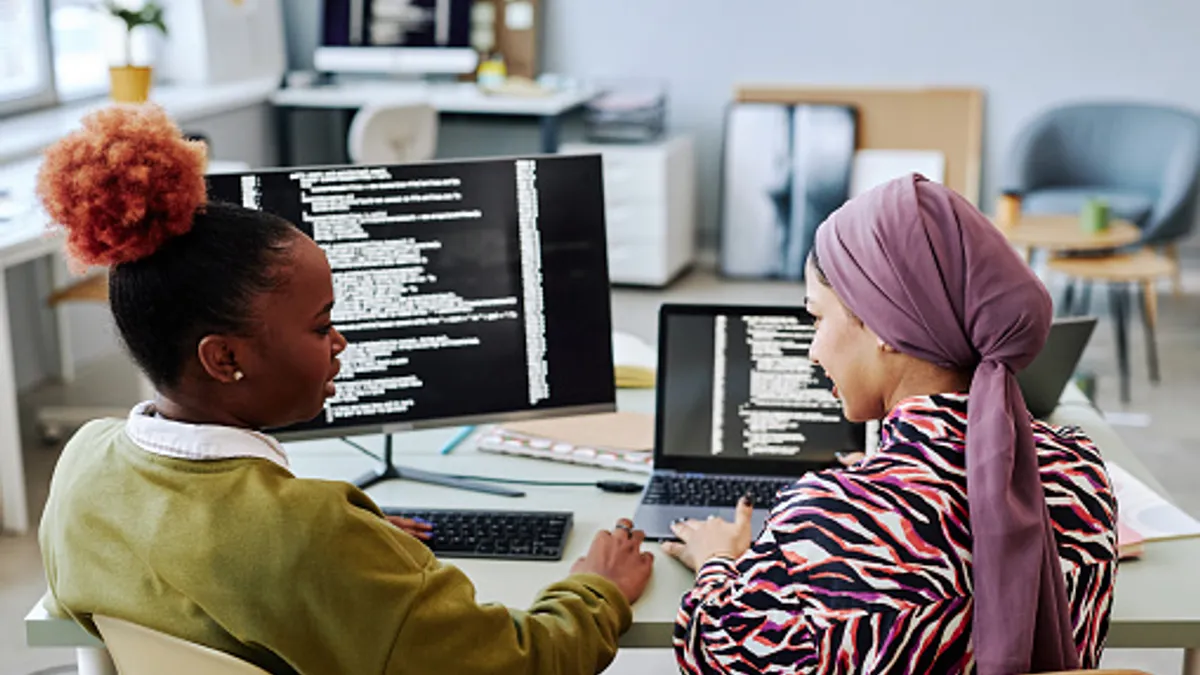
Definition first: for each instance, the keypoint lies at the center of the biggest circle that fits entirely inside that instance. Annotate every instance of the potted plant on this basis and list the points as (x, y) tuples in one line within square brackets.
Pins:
[(130, 83)]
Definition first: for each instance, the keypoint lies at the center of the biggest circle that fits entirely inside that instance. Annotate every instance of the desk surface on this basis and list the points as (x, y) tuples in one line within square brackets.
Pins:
[(450, 98), (1157, 599), (26, 235), (1064, 233)]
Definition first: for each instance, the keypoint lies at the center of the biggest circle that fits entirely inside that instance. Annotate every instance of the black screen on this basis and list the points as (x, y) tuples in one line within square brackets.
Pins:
[(466, 290), (397, 23), (737, 384)]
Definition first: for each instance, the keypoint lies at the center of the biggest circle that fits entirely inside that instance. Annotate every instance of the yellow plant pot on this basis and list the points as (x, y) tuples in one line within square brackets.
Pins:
[(130, 84)]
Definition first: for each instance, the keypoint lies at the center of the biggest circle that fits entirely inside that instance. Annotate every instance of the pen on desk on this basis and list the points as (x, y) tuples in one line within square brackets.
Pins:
[(458, 438)]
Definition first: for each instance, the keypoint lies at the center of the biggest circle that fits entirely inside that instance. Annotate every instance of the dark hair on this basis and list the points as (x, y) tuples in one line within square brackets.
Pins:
[(816, 263), (196, 284)]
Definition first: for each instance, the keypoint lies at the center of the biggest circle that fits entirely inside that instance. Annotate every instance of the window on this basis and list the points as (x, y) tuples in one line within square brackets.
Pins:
[(25, 80), (83, 39), (60, 50)]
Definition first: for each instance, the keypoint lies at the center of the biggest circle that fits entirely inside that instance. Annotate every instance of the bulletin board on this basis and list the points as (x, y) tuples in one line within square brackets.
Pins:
[(948, 120), (514, 34)]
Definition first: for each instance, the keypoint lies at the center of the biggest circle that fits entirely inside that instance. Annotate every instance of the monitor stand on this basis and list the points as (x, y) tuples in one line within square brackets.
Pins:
[(389, 471)]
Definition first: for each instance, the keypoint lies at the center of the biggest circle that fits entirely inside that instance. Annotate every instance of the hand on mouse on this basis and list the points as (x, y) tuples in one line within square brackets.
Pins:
[(617, 556), (418, 528), (701, 540)]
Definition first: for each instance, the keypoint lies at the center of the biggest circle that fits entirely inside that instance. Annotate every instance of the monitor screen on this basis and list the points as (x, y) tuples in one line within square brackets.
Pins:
[(397, 23), (468, 291), (736, 385)]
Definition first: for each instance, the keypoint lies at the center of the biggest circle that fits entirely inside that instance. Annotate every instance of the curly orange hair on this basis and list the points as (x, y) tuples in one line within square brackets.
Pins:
[(122, 185)]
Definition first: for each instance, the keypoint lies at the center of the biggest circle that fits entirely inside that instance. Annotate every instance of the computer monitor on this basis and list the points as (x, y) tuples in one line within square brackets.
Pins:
[(470, 291), (1042, 382), (415, 37)]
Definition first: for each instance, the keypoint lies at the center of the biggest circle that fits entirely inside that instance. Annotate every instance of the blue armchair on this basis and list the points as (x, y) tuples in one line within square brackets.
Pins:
[(1143, 159)]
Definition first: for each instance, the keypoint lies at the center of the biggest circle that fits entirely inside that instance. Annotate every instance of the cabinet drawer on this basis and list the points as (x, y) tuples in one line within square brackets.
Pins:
[(626, 181), (640, 223)]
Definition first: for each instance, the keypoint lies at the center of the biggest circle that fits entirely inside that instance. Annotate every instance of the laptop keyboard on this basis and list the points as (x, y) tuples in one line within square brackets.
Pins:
[(716, 491), (509, 535)]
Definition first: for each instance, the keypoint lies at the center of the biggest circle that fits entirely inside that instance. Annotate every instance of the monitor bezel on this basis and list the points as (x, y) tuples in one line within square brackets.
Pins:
[(286, 434), (716, 465), (439, 423)]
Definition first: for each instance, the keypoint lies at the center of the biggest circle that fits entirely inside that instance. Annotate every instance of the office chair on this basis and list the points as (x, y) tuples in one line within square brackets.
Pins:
[(137, 650), (393, 134), (1144, 160)]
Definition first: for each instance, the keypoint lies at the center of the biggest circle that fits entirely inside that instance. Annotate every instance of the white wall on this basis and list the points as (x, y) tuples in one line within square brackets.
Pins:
[(1025, 54), (246, 135)]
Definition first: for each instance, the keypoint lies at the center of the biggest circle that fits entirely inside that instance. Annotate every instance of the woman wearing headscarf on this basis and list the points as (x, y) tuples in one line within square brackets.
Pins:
[(975, 539)]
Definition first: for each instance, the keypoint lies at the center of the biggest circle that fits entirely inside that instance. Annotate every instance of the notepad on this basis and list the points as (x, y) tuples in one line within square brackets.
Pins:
[(620, 440), (1146, 514), (1130, 544), (634, 362)]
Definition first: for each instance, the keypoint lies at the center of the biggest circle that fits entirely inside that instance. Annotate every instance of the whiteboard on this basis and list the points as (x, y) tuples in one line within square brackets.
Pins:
[(875, 167)]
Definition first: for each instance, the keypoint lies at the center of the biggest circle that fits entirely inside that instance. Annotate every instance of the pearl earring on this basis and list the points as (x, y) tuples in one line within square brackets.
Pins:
[(238, 375)]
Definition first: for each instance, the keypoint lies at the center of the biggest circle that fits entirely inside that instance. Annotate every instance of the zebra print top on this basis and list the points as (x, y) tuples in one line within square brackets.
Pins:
[(868, 569)]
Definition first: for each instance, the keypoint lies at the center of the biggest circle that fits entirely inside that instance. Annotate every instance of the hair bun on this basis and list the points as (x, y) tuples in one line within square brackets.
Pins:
[(123, 184)]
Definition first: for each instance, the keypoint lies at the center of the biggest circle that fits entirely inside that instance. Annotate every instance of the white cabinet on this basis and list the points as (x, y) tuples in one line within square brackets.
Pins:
[(650, 204)]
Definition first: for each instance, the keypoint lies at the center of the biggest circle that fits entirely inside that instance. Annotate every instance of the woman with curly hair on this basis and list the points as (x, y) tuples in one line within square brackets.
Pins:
[(185, 517)]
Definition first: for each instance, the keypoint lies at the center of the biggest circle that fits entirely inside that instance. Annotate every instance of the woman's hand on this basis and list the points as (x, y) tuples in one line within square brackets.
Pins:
[(420, 529), (848, 459), (703, 540)]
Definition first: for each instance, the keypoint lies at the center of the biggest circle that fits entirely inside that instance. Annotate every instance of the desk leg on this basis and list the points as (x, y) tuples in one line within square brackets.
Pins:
[(60, 277), (550, 126), (94, 661), (12, 471), (1119, 303), (283, 135), (1191, 662)]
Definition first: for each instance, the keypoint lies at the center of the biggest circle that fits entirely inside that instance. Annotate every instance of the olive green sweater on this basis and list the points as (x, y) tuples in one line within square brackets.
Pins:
[(294, 575)]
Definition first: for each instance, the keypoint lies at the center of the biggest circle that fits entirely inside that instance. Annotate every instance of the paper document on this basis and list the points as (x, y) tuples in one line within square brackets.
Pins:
[(634, 361), (1147, 513), (876, 167)]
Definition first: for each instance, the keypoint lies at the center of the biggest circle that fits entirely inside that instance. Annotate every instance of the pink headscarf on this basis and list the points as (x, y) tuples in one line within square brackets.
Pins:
[(927, 272)]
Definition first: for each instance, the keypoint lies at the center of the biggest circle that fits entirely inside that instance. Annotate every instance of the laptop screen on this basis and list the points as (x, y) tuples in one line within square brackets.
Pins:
[(738, 394)]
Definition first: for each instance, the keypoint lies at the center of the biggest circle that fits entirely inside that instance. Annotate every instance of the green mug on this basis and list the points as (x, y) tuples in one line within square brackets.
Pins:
[(1094, 216)]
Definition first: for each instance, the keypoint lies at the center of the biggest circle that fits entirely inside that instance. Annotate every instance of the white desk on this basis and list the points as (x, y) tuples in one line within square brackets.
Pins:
[(23, 136), (1157, 598), (455, 98), (22, 239)]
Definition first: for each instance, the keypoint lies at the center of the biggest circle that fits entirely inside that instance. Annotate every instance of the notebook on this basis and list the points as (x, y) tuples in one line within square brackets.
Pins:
[(1146, 515)]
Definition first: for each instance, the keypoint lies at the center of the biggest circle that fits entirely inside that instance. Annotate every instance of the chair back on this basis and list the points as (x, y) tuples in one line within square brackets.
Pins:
[(137, 650), (1119, 145), (1133, 147), (393, 134)]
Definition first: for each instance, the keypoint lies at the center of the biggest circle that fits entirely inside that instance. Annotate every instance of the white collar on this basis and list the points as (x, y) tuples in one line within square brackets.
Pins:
[(160, 436)]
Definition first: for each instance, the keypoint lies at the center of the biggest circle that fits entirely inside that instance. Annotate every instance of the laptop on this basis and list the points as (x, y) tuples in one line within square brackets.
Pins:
[(1043, 381), (740, 409)]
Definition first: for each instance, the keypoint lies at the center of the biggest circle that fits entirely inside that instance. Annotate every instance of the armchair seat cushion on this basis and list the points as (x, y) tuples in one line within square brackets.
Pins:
[(1131, 205)]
